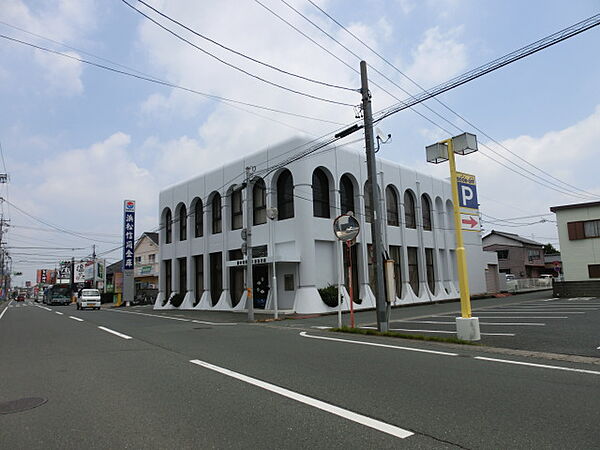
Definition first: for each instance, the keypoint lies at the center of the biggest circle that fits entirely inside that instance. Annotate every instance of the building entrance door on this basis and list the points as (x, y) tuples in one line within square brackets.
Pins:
[(261, 285)]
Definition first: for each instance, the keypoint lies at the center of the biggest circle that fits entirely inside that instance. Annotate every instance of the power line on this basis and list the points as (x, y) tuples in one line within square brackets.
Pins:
[(270, 66), (233, 66), (228, 101), (442, 103)]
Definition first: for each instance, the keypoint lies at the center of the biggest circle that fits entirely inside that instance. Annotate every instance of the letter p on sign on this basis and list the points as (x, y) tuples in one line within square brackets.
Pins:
[(467, 195)]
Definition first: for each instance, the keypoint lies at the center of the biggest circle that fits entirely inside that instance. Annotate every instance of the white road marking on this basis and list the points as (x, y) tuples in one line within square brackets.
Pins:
[(116, 333), (43, 307), (321, 328), (160, 316), (434, 322), (76, 318), (373, 344), (59, 313), (543, 366), (442, 331), (522, 317), (2, 314), (336, 410), (527, 312)]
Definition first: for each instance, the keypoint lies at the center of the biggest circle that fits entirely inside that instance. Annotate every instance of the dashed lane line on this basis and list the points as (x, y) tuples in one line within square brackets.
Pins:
[(59, 313), (327, 407), (43, 307), (76, 318), (116, 333)]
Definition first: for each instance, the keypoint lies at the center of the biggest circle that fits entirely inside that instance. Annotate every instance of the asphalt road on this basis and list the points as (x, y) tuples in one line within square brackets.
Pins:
[(199, 380)]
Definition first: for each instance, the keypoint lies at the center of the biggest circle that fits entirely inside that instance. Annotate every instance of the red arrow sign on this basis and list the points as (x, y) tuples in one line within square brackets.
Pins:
[(471, 222)]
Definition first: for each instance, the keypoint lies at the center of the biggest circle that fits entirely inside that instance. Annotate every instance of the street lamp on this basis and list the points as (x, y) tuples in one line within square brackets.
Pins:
[(272, 214), (467, 327)]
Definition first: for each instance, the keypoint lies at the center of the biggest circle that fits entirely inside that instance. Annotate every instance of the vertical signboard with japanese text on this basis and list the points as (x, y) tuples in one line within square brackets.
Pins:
[(128, 233)]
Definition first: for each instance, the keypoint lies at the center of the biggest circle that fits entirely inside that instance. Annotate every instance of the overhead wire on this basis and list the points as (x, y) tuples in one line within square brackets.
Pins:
[(243, 55), (540, 180), (233, 66), (227, 101), (445, 105)]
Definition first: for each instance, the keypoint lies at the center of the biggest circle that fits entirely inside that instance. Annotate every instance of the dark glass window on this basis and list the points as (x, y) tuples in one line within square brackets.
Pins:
[(426, 207), (413, 269), (410, 217), (237, 217), (368, 204), (285, 195), (198, 219), (259, 197), (199, 268), (182, 223), (396, 255), (168, 227), (216, 214), (430, 269), (391, 200), (346, 195), (502, 254), (182, 276), (216, 277), (320, 186), (168, 284)]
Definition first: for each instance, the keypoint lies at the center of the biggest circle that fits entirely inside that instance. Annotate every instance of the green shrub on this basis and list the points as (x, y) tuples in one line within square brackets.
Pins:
[(329, 295)]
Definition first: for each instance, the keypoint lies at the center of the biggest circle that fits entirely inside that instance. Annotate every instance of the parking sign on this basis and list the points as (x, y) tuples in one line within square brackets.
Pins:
[(467, 191)]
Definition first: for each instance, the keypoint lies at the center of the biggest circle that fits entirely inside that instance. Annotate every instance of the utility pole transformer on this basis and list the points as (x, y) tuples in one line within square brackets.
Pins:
[(376, 225), (249, 279)]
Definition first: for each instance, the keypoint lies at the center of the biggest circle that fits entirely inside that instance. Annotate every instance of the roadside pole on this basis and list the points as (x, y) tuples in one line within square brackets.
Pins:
[(382, 319), (249, 280)]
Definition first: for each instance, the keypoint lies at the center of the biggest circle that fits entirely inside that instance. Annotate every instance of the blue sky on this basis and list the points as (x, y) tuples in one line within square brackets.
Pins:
[(78, 140)]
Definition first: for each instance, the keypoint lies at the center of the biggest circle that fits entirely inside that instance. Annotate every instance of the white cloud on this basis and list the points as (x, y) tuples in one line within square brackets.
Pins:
[(438, 57), (61, 20)]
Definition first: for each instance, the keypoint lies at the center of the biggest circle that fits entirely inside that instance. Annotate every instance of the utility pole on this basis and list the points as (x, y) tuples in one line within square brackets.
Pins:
[(376, 225), (94, 266), (249, 279)]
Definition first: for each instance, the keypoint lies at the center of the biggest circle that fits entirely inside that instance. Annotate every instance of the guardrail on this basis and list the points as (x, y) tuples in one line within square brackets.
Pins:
[(528, 284)]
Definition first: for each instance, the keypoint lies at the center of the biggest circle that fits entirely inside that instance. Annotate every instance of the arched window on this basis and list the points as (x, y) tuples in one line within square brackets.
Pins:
[(182, 222), (320, 186), (368, 204), (285, 195), (237, 216), (198, 218), (168, 226), (410, 216), (346, 194), (259, 198), (216, 213), (426, 208), (391, 200)]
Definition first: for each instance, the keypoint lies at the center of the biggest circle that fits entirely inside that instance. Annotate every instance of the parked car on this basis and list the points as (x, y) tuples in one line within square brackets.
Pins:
[(88, 298)]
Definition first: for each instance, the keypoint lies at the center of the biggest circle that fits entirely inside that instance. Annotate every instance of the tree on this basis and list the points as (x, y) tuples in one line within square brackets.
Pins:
[(550, 250)]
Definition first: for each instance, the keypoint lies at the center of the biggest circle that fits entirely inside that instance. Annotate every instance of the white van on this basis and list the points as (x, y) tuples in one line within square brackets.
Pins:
[(88, 298)]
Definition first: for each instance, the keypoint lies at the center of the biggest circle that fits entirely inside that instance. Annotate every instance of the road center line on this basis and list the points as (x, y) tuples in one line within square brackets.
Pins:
[(543, 366), (43, 307), (59, 313), (336, 410), (116, 333), (76, 318), (373, 344)]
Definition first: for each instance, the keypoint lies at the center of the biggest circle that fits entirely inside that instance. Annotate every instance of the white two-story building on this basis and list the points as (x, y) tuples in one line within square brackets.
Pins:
[(201, 262)]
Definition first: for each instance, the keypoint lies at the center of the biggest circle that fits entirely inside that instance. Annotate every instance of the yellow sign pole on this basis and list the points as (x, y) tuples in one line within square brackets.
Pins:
[(461, 257)]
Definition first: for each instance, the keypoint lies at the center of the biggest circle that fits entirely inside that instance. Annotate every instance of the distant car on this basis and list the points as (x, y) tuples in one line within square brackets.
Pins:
[(88, 298), (546, 276), (510, 277), (20, 298)]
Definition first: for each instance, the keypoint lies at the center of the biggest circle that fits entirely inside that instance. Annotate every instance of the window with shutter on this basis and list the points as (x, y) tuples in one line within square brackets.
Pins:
[(594, 270)]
